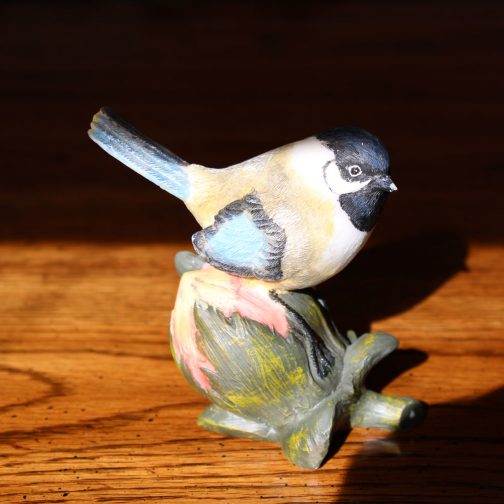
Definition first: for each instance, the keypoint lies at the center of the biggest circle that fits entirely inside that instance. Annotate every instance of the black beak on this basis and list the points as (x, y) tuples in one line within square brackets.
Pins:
[(385, 184)]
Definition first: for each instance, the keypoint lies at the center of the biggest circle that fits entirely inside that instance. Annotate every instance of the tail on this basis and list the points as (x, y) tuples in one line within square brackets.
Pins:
[(151, 160)]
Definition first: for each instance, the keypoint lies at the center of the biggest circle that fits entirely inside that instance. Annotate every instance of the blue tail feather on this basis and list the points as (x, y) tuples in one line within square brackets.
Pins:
[(135, 150)]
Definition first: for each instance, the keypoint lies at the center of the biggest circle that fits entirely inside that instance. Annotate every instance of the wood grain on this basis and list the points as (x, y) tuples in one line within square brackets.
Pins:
[(92, 407)]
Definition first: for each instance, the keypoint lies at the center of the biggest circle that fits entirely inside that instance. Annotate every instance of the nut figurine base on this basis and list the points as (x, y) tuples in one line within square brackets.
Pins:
[(274, 365)]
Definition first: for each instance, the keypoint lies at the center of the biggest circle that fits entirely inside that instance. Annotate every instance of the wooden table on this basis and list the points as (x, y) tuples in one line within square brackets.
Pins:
[(92, 407)]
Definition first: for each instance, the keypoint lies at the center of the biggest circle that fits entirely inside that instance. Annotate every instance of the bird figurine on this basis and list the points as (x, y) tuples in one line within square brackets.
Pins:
[(246, 331), (294, 216)]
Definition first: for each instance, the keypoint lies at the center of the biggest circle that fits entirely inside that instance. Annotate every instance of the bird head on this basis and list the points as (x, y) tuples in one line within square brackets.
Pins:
[(358, 173)]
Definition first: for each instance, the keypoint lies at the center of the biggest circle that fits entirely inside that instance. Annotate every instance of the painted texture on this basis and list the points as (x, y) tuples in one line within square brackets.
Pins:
[(315, 201), (296, 199), (294, 216), (243, 240), (227, 293), (148, 158), (239, 242), (252, 352)]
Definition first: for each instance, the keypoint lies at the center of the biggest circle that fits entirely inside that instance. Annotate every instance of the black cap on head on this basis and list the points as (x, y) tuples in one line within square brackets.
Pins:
[(358, 144)]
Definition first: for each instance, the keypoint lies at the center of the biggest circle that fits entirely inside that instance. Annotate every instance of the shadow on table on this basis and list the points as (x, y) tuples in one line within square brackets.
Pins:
[(456, 455), (388, 279)]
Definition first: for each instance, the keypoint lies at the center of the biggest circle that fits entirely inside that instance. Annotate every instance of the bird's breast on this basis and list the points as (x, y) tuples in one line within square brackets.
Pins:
[(345, 243), (319, 251)]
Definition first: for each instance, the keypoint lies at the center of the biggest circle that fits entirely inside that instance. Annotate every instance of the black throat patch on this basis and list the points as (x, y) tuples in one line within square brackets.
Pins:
[(363, 207)]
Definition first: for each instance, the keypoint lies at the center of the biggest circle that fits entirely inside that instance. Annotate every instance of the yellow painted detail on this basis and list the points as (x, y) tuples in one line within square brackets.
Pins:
[(297, 376), (244, 399), (299, 441), (364, 347)]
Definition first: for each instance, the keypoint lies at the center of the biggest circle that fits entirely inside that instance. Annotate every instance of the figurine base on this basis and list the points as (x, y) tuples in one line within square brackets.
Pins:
[(307, 446), (274, 365)]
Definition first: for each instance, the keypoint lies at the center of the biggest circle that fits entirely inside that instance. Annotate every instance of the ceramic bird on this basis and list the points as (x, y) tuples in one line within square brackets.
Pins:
[(293, 216)]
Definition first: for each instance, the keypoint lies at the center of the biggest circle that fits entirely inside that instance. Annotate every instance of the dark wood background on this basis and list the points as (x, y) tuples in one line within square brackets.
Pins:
[(92, 408)]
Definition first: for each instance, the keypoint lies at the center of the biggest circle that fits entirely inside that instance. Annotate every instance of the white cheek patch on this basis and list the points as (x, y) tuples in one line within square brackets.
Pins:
[(338, 184), (307, 158)]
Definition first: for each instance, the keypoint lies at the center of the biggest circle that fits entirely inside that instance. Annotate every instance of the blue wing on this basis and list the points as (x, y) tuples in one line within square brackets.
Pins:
[(243, 241)]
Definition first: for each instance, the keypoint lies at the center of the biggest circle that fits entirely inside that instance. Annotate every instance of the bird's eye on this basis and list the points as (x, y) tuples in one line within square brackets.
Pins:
[(354, 170)]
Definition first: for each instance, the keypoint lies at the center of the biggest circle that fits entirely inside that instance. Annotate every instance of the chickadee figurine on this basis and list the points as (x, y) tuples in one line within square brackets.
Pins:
[(294, 216)]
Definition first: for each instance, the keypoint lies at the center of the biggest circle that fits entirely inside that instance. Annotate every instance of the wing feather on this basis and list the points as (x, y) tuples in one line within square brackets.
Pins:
[(243, 241)]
